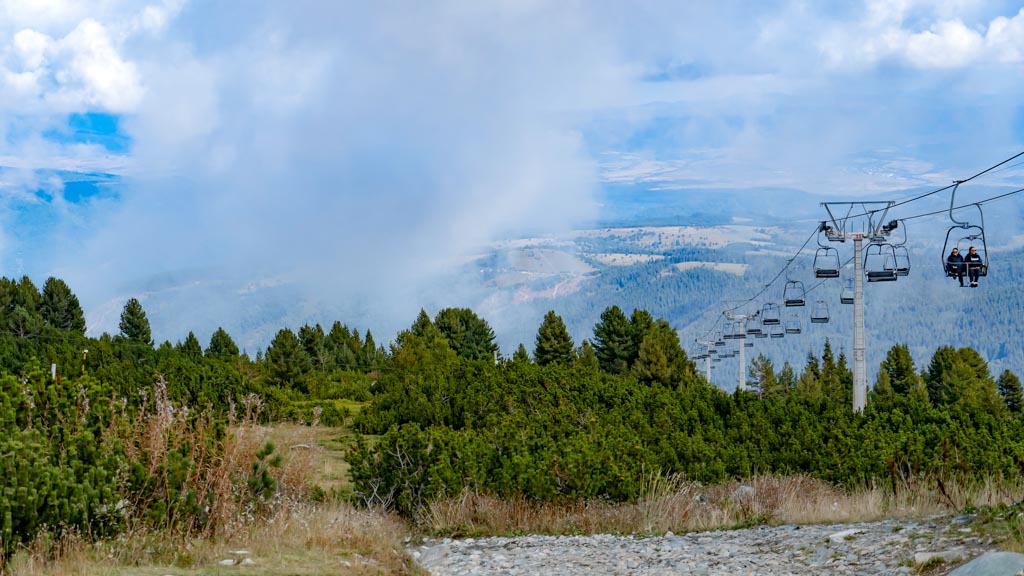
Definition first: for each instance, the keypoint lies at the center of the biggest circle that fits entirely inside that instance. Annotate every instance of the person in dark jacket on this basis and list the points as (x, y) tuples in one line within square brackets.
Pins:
[(973, 262), (955, 265)]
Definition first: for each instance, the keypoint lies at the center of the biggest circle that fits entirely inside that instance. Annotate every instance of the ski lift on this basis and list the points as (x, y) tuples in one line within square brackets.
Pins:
[(972, 234), (777, 331), (826, 259), (718, 339), (875, 260), (846, 295), (748, 344), (770, 314), (899, 260), (819, 314), (761, 334), (752, 327), (794, 294), (793, 325)]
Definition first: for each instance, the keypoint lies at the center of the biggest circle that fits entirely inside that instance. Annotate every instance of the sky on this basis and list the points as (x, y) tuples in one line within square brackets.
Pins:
[(359, 152)]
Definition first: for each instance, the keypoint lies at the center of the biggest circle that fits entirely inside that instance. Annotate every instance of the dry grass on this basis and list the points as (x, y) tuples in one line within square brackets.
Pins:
[(335, 539), (674, 504)]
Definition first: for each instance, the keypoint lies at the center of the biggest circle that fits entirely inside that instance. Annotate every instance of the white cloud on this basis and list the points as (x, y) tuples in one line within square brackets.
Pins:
[(947, 45), (1005, 38), (92, 75), (883, 34)]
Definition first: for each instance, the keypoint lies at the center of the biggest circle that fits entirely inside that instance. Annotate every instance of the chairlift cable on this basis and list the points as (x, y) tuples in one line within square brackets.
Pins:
[(943, 189), (789, 262)]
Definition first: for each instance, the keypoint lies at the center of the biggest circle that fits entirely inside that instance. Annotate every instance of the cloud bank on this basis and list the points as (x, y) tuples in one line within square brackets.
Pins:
[(361, 152)]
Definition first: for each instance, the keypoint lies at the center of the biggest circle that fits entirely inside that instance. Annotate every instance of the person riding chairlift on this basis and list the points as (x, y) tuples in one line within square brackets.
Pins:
[(955, 265), (973, 261)]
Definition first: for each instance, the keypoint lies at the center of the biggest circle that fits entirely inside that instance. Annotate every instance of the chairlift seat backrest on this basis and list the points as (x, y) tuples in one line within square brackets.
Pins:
[(826, 262), (794, 294)]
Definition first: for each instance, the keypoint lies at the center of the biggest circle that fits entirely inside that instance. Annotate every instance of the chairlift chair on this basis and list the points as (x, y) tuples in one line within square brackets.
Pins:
[(761, 334), (793, 325), (770, 314), (753, 327), (963, 244), (718, 339), (777, 331), (826, 262), (748, 344), (846, 295), (819, 314), (875, 257), (794, 294), (972, 234), (899, 260)]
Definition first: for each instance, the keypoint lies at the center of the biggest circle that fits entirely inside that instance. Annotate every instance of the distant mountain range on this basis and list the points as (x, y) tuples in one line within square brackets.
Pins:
[(684, 256)]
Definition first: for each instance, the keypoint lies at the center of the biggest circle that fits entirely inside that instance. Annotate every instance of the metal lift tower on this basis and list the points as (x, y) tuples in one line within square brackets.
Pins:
[(741, 320), (868, 223)]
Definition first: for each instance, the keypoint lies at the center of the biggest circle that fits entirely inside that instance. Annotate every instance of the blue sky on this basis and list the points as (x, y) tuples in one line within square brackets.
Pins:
[(362, 149)]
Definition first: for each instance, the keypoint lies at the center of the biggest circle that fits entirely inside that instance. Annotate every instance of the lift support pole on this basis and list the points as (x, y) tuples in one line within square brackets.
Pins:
[(871, 216), (860, 377)]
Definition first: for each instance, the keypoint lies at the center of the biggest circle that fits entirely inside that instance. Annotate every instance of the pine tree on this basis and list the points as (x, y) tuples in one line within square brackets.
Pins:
[(521, 355), (613, 341), (763, 373), (134, 325), (468, 334), (314, 342), (338, 340), (899, 366), (639, 324), (287, 361), (660, 357), (553, 344), (221, 345), (27, 295), (1010, 390), (191, 348), (586, 358), (60, 307)]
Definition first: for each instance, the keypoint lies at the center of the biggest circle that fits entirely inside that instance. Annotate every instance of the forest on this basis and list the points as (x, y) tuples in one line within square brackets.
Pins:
[(88, 443)]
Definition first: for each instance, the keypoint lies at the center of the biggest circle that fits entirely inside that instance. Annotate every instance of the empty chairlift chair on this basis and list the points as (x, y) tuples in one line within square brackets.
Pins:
[(770, 314), (794, 294), (899, 260), (753, 327), (875, 257), (777, 331), (819, 314), (846, 295), (793, 325), (719, 341), (826, 262)]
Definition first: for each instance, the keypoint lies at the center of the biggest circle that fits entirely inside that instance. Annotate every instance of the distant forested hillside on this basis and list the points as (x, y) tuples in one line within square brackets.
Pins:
[(924, 310)]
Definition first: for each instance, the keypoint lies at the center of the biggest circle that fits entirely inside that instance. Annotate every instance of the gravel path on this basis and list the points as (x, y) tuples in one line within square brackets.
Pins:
[(867, 548)]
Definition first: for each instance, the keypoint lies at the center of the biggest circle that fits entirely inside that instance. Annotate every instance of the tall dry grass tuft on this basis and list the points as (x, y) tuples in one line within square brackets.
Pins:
[(671, 503), (332, 539)]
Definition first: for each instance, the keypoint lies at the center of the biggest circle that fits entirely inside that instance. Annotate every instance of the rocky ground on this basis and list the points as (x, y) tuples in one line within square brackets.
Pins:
[(867, 548)]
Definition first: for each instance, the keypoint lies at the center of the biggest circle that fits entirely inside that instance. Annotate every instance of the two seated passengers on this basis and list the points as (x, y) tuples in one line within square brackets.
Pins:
[(957, 264)]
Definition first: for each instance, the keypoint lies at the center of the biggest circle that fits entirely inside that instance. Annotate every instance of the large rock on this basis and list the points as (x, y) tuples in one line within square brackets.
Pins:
[(992, 564)]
